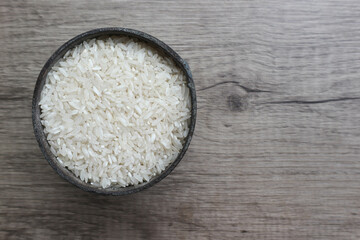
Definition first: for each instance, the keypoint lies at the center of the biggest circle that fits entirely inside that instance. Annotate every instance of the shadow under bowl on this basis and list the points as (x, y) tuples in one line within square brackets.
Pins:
[(36, 111)]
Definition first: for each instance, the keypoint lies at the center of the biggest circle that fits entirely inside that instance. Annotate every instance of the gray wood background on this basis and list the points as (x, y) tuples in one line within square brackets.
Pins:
[(276, 149)]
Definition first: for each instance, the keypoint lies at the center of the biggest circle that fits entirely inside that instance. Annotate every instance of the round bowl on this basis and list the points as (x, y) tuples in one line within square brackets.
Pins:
[(36, 111)]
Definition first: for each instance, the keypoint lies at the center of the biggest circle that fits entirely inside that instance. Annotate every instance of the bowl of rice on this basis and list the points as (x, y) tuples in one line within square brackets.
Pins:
[(114, 110)]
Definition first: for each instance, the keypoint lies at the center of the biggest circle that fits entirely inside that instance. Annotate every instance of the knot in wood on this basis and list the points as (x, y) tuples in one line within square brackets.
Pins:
[(236, 103)]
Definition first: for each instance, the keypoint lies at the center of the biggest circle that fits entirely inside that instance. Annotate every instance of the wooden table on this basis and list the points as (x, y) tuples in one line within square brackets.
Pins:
[(276, 148)]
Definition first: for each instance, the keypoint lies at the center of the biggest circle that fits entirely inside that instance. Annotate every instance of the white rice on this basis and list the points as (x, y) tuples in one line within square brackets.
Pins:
[(115, 111)]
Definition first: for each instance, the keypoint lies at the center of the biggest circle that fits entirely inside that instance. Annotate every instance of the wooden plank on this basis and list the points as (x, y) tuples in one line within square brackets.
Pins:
[(275, 153)]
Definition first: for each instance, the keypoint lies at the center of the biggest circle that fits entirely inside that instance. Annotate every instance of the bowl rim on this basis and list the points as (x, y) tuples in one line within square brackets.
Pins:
[(39, 130)]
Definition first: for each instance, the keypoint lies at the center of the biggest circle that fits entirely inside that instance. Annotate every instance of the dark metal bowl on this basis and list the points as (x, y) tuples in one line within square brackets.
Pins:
[(36, 111)]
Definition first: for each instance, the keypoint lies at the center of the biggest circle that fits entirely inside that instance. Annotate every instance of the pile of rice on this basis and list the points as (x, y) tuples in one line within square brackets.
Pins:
[(115, 111)]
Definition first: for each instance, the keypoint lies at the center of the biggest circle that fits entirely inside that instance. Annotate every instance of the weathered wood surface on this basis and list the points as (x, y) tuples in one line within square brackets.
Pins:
[(276, 150)]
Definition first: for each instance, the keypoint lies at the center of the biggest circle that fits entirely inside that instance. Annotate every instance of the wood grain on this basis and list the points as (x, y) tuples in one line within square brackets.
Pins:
[(276, 148)]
